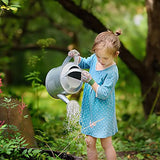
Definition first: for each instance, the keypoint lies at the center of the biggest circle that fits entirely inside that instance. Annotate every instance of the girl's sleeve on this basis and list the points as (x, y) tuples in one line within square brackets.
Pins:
[(85, 63), (107, 87)]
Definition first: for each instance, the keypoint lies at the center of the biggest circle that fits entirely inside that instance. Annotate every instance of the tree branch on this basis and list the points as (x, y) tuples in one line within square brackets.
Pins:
[(91, 22)]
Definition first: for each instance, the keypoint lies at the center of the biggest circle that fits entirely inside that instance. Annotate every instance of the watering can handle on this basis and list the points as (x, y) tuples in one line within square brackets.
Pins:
[(68, 58)]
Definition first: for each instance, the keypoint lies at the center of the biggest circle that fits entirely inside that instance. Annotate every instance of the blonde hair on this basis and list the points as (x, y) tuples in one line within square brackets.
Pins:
[(107, 40)]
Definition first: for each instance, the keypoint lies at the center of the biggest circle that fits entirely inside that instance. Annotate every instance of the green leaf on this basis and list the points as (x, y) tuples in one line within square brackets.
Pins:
[(39, 138), (3, 127), (13, 8), (36, 151), (5, 2), (23, 141), (15, 5), (7, 99), (30, 150), (140, 156), (24, 145), (26, 116), (24, 152)]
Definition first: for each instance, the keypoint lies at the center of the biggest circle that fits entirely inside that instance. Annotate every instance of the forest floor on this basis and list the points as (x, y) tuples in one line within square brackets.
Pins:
[(134, 155)]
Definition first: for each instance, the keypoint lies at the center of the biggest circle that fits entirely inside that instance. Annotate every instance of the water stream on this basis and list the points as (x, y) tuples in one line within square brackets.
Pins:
[(73, 114)]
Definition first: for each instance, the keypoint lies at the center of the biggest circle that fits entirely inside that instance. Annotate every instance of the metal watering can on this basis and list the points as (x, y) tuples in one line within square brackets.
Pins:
[(64, 80)]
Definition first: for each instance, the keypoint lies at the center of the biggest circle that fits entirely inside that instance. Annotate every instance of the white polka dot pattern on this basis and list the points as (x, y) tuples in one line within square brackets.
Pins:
[(98, 116)]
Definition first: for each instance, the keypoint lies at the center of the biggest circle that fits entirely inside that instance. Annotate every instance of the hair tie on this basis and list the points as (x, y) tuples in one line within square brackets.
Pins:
[(118, 32)]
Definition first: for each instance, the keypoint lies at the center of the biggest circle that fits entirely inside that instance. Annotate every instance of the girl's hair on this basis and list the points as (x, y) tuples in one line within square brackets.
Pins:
[(107, 40)]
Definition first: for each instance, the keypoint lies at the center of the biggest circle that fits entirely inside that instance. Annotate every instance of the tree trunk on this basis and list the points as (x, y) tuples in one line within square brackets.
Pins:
[(150, 97), (151, 84)]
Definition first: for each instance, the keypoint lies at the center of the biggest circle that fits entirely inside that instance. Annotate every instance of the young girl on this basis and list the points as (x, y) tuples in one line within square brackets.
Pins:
[(98, 116)]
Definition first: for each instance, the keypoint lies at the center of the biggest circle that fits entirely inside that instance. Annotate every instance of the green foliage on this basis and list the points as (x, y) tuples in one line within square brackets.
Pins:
[(33, 61), (36, 84), (10, 147), (61, 139), (33, 76), (8, 104), (11, 141), (138, 134), (12, 5), (5, 2), (46, 42), (36, 154)]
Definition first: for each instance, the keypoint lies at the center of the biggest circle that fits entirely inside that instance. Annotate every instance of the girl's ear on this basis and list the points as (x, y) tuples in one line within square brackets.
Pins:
[(116, 56), (117, 53)]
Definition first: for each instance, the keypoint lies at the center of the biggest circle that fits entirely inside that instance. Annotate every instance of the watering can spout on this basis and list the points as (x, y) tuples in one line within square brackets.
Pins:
[(63, 98)]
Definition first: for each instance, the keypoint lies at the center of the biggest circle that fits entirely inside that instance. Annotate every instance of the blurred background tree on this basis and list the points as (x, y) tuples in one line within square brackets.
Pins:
[(38, 34)]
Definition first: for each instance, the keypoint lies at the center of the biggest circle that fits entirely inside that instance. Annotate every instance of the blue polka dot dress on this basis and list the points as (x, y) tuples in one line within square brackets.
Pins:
[(98, 116)]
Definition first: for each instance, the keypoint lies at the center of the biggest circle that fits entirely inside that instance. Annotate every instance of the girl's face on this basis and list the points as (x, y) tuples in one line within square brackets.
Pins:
[(104, 58)]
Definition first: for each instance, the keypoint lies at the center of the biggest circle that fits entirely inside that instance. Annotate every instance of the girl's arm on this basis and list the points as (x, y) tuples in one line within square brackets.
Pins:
[(83, 63), (102, 91), (95, 86)]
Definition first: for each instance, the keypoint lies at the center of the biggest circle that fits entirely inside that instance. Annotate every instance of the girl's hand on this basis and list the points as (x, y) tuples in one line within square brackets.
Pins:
[(73, 53), (85, 76)]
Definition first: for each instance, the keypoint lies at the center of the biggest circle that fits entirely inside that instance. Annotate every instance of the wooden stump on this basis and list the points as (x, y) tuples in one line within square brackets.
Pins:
[(14, 112)]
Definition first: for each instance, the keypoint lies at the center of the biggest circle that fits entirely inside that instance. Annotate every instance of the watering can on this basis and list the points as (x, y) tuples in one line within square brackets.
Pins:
[(64, 80)]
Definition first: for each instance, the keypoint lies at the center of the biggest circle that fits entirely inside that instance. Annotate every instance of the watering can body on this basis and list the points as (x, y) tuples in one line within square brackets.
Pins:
[(64, 80)]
